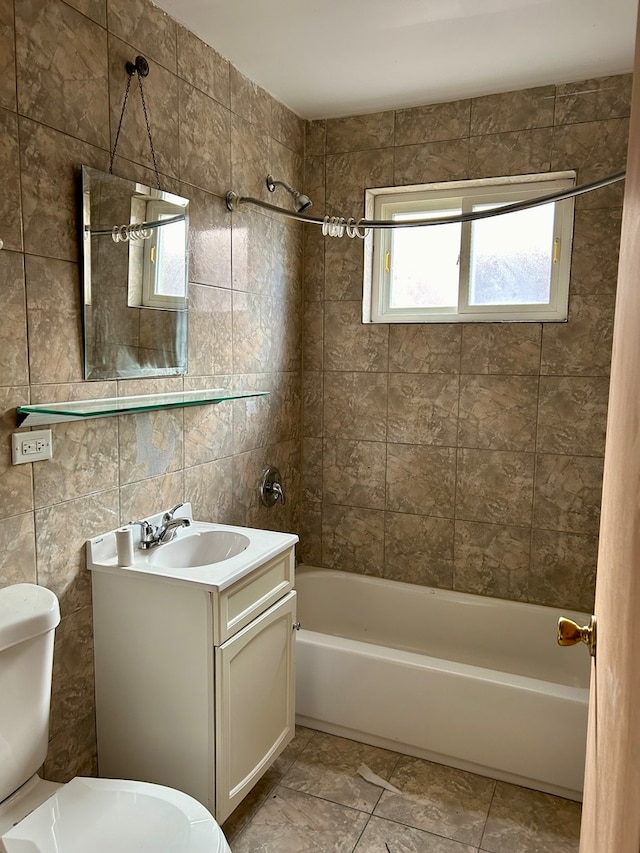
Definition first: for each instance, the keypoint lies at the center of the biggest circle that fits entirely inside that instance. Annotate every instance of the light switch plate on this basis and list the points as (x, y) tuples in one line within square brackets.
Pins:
[(31, 446)]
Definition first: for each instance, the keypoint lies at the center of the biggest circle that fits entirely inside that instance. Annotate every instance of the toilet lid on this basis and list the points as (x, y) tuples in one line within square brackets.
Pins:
[(107, 815)]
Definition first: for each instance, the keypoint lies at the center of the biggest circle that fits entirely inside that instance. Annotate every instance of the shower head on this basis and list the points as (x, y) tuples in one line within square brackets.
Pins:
[(301, 202)]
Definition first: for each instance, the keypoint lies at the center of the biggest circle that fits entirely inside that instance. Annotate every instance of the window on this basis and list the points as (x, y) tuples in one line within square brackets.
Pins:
[(158, 273), (509, 267), (164, 283)]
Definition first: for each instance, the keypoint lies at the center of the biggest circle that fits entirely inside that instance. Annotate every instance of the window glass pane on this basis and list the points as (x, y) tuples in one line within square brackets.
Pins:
[(511, 257), (425, 267), (171, 249)]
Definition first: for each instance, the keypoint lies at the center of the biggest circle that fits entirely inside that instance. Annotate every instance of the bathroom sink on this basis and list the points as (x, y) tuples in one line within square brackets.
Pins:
[(199, 549), (207, 554)]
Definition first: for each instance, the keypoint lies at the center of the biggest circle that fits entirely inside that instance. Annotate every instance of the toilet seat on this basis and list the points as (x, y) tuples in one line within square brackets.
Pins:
[(107, 815)]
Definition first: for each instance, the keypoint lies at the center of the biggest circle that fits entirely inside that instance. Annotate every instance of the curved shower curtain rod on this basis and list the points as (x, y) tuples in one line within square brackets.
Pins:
[(337, 226)]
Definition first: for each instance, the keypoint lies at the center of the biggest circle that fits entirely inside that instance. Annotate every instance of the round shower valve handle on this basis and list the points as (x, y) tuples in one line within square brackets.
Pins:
[(271, 490)]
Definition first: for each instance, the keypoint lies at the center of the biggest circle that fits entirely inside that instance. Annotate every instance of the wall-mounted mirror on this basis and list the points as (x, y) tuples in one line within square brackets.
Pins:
[(135, 276)]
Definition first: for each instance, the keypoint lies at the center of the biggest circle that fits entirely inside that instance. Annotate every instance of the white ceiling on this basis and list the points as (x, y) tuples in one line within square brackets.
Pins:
[(327, 58)]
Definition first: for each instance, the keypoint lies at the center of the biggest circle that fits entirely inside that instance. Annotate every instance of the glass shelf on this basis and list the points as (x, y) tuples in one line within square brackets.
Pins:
[(51, 413)]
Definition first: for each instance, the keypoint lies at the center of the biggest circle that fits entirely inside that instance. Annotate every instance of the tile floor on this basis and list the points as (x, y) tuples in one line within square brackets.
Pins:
[(313, 801)]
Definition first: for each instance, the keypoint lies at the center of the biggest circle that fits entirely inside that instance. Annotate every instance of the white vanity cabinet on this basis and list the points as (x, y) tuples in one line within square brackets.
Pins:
[(194, 681)]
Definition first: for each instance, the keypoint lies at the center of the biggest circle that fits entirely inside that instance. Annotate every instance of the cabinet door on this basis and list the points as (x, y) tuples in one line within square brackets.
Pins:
[(255, 712)]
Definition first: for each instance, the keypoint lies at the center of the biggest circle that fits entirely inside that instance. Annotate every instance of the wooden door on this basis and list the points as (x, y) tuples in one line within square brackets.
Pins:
[(611, 812)]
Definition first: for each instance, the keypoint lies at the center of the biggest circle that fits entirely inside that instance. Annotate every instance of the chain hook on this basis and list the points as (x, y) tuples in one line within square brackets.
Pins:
[(141, 68)]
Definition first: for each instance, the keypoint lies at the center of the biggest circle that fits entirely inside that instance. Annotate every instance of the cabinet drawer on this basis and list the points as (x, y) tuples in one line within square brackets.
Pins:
[(236, 606)]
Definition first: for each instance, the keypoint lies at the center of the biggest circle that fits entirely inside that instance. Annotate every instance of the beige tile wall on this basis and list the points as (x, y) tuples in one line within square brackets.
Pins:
[(466, 457), (462, 456), (62, 79)]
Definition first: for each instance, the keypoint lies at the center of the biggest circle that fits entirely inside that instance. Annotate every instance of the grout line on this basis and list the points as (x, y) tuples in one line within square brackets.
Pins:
[(324, 799), (455, 466), (484, 828), (535, 466), (366, 824)]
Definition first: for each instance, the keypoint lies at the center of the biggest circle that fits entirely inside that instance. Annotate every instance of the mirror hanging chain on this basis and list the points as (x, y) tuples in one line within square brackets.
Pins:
[(135, 230), (141, 68)]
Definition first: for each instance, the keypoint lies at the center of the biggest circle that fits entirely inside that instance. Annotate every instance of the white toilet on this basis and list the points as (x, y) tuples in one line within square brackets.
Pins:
[(86, 815)]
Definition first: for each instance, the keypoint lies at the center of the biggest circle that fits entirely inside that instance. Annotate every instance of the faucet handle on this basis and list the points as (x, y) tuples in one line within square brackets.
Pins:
[(271, 490), (170, 513), (148, 533), (146, 526), (278, 491)]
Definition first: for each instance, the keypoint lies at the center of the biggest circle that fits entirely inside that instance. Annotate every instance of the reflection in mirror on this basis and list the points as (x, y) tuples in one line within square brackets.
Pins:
[(135, 274)]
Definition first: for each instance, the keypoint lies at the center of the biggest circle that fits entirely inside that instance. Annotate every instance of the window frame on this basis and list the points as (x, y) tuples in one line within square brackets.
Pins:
[(383, 203), (156, 210)]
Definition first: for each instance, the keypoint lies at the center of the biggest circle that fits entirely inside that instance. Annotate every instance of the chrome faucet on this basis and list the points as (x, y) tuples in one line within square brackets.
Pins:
[(165, 532), (168, 529)]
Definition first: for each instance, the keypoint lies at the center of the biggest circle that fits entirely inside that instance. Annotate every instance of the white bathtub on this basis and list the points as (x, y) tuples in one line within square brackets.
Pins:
[(473, 682)]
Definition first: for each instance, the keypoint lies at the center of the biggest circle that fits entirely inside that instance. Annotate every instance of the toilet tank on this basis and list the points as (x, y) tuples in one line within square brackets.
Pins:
[(28, 617)]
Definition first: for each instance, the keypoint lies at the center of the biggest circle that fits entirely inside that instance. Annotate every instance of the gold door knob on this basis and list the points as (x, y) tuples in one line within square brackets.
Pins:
[(570, 633)]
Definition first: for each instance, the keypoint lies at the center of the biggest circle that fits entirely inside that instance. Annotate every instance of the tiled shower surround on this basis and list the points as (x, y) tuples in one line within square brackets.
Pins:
[(465, 456)]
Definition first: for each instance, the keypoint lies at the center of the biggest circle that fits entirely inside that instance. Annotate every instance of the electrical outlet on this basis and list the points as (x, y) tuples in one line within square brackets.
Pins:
[(31, 446)]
